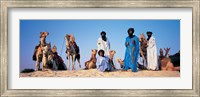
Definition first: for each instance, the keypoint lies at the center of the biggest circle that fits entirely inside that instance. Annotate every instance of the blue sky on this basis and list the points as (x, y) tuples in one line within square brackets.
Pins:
[(86, 32)]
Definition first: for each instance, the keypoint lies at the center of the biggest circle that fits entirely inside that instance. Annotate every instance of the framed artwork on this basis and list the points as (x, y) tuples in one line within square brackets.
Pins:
[(99, 48)]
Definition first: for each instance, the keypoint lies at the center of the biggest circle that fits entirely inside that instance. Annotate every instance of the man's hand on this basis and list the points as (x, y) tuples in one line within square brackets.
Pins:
[(133, 49), (166, 49), (127, 44), (132, 58)]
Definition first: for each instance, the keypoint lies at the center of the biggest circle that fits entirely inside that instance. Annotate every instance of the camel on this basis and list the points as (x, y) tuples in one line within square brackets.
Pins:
[(121, 62), (38, 53), (143, 45), (165, 62), (142, 63), (72, 50), (92, 62)]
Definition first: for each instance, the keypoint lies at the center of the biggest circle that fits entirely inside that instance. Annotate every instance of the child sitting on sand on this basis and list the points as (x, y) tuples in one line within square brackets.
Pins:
[(103, 63)]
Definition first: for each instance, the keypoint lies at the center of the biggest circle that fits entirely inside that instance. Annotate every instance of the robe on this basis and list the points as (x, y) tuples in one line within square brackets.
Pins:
[(103, 64), (104, 45), (131, 53), (152, 60)]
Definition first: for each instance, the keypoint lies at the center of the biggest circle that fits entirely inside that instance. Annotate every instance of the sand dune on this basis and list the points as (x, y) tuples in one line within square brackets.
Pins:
[(96, 73)]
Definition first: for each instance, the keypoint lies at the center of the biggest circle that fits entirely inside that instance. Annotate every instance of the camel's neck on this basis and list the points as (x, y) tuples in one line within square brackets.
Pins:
[(111, 56), (43, 40), (70, 47), (93, 55), (144, 40), (67, 43)]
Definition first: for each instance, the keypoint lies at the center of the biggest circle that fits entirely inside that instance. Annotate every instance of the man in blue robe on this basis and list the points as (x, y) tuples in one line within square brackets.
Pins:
[(132, 51), (103, 62)]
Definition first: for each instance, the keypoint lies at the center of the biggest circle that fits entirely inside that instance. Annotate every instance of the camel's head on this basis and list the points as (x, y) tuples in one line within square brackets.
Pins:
[(161, 52), (94, 51), (112, 52), (167, 49), (44, 34), (72, 38), (141, 37), (121, 62), (67, 37)]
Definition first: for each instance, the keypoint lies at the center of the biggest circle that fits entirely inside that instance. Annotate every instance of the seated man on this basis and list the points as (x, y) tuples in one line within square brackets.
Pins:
[(57, 61), (103, 62)]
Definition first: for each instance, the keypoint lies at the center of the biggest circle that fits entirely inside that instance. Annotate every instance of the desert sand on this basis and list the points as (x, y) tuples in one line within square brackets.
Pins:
[(96, 73)]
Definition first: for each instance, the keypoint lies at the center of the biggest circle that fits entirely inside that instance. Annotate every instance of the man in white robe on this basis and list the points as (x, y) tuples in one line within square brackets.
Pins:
[(103, 62), (152, 59), (104, 44)]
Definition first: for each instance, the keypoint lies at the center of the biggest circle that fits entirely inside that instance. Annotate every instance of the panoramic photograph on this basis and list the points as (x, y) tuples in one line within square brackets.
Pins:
[(110, 48)]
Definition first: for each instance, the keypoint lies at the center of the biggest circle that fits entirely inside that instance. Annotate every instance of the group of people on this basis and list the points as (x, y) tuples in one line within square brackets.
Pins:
[(103, 60), (131, 53), (140, 53)]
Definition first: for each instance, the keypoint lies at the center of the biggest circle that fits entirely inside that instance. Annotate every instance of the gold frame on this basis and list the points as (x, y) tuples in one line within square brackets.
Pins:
[(6, 4)]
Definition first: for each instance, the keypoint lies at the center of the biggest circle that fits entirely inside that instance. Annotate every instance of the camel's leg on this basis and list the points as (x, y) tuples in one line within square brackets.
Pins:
[(93, 65), (37, 63), (177, 68), (68, 55), (164, 63), (86, 65), (37, 66), (43, 62), (90, 65), (170, 66), (79, 63), (73, 62), (163, 68), (42, 66)]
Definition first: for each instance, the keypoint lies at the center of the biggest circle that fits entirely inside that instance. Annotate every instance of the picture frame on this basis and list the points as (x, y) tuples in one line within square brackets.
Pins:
[(4, 57)]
